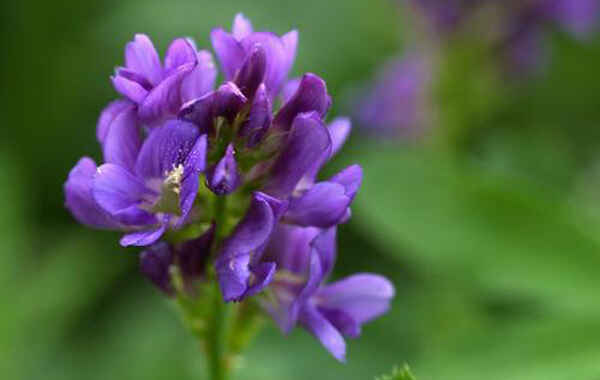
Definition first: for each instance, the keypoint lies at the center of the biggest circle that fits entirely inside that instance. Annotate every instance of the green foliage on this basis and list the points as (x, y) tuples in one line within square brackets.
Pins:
[(398, 374)]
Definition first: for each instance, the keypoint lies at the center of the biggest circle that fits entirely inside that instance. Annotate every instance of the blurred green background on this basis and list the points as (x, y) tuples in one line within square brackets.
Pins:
[(489, 228)]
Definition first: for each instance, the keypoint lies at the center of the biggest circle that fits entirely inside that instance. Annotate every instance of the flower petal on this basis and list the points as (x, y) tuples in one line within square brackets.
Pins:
[(165, 98), (307, 143), (180, 52), (310, 96), (123, 141), (259, 119), (202, 78), (141, 56), (120, 193), (224, 177), (324, 331), (165, 148), (107, 116), (323, 205), (195, 164), (143, 238), (252, 72), (154, 264), (339, 130), (289, 89), (242, 27), (350, 178), (229, 51), (130, 89), (80, 200), (362, 296), (248, 239)]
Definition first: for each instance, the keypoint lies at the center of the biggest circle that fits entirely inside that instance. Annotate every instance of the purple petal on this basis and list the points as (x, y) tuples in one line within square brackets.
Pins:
[(141, 56), (362, 296), (339, 129), (324, 331), (343, 322), (259, 118), (229, 100), (350, 178), (130, 89), (193, 254), (79, 198), (252, 72), (242, 27), (134, 76), (143, 238), (180, 52), (201, 80), (120, 193), (165, 148), (195, 164), (310, 96), (289, 247), (261, 275), (248, 238), (226, 101), (224, 177), (323, 205), (315, 277), (307, 143), (107, 116), (289, 89), (277, 57), (229, 51), (165, 98), (154, 264), (123, 141)]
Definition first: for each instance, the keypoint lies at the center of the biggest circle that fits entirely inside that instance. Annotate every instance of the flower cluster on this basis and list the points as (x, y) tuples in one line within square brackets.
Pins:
[(216, 184)]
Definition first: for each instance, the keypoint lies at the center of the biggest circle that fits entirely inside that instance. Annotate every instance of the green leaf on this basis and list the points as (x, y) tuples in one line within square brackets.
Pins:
[(398, 374)]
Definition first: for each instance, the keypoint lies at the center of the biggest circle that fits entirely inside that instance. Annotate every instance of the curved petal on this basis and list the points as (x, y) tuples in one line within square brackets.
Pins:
[(123, 141), (242, 27), (277, 61), (165, 98), (253, 70), (310, 96), (195, 163), (154, 264), (143, 238), (165, 148), (323, 205), (229, 51), (362, 296), (141, 56), (129, 88), (202, 78), (307, 143), (180, 52), (224, 177), (80, 200), (339, 130), (107, 116), (120, 193), (259, 119), (248, 239), (350, 178), (324, 331), (289, 89)]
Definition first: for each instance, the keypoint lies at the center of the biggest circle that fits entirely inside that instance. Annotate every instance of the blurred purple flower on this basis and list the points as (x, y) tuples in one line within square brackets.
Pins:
[(305, 257), (394, 105)]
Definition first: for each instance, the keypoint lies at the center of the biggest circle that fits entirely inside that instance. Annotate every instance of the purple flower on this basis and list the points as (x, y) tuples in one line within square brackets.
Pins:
[(236, 50), (395, 104), (159, 90), (142, 189), (191, 256), (305, 257)]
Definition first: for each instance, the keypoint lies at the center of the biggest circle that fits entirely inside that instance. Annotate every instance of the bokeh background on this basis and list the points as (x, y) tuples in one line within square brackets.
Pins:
[(488, 223)]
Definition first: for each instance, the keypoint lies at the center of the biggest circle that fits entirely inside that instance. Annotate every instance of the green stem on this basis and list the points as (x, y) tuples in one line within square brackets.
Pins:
[(218, 329)]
